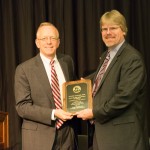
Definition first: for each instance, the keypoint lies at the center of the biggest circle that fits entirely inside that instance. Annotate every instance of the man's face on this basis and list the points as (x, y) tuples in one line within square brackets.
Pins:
[(112, 35), (47, 41)]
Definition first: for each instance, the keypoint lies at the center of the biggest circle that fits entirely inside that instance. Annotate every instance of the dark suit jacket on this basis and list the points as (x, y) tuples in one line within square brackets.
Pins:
[(120, 103), (34, 101)]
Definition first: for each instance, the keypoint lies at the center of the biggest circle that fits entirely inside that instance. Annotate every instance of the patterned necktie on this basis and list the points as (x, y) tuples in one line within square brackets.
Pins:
[(100, 74), (56, 92)]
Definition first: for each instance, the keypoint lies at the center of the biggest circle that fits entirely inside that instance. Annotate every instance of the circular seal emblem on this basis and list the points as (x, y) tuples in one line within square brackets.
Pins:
[(76, 89)]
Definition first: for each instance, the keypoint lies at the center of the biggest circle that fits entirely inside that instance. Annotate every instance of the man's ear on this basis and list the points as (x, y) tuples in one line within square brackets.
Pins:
[(124, 33), (37, 43), (58, 43)]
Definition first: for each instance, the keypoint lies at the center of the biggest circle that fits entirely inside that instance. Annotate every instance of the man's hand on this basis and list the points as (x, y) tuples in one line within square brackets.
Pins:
[(85, 114), (61, 114)]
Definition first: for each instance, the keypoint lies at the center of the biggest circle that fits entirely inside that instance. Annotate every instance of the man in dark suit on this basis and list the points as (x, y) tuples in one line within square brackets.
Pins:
[(119, 100), (34, 97)]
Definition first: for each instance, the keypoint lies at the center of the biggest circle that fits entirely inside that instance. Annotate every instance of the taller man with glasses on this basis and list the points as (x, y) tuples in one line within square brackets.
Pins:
[(119, 91)]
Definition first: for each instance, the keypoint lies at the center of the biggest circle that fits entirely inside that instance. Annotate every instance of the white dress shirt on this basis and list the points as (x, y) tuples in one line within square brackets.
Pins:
[(59, 72)]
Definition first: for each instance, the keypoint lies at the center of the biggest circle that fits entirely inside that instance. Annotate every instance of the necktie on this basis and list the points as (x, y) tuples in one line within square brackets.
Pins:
[(100, 74), (56, 92)]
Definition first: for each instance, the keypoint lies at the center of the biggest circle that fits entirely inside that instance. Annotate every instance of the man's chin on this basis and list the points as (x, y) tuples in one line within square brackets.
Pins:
[(109, 45)]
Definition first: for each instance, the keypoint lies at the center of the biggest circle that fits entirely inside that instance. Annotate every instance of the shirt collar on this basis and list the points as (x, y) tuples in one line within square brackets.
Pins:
[(46, 60), (114, 50)]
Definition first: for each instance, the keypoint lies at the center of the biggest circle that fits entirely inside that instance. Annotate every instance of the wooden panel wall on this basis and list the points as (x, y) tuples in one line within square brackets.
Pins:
[(4, 134)]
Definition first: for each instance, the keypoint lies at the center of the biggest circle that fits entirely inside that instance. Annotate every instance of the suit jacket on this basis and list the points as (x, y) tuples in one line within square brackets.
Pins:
[(34, 101), (120, 103)]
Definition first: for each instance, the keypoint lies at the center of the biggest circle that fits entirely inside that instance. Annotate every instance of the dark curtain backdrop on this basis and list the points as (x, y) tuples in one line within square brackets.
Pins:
[(78, 24)]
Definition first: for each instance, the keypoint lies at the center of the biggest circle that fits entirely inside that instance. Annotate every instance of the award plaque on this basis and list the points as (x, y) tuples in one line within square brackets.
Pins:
[(77, 95)]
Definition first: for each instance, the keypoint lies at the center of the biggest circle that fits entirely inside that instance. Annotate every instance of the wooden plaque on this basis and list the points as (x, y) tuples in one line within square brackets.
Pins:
[(77, 95)]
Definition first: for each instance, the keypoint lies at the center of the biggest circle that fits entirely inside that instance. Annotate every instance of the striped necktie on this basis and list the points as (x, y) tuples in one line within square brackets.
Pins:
[(100, 74), (56, 92)]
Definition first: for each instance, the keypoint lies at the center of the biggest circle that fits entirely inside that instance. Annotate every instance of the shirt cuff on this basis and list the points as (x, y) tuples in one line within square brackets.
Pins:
[(53, 116)]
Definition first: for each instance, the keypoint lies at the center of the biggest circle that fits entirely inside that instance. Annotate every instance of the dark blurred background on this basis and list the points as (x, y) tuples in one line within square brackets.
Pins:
[(78, 24)]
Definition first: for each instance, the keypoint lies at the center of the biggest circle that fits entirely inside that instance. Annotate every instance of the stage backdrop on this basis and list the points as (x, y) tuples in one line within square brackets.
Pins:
[(78, 23)]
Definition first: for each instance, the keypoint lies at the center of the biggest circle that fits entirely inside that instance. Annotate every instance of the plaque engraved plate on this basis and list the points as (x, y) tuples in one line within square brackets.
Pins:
[(77, 95)]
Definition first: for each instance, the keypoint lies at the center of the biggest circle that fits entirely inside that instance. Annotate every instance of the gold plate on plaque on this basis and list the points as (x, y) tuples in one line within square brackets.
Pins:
[(77, 95)]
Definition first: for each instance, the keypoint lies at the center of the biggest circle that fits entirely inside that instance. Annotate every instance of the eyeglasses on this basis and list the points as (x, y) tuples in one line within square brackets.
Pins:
[(110, 29), (51, 38)]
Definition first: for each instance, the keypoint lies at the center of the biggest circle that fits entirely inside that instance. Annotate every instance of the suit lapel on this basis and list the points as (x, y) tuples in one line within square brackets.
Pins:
[(102, 58), (42, 76), (64, 67), (111, 64)]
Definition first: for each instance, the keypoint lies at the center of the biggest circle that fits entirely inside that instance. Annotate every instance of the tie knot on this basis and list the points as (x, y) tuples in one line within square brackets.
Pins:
[(108, 55), (52, 62)]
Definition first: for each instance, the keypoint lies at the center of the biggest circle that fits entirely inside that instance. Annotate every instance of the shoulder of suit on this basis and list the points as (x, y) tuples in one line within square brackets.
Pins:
[(31, 60), (63, 56)]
